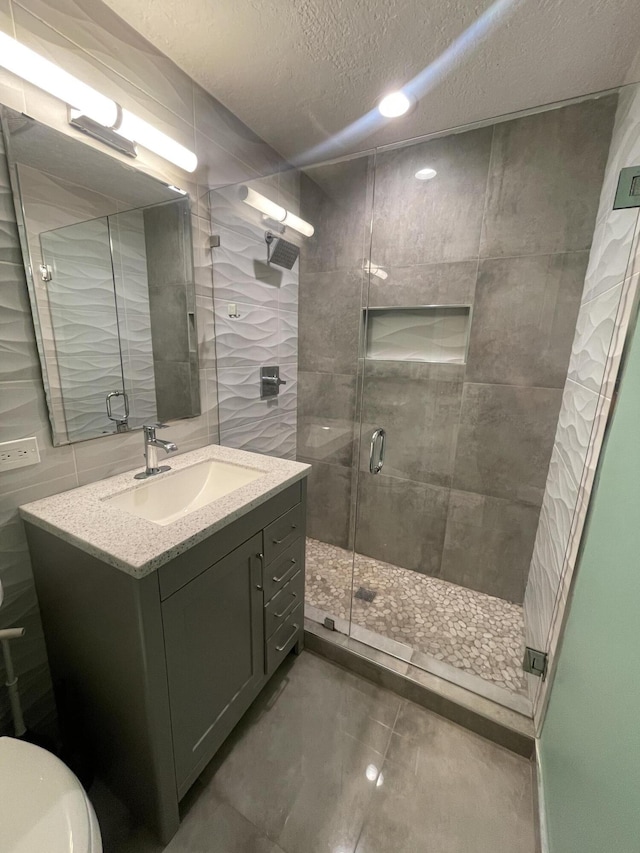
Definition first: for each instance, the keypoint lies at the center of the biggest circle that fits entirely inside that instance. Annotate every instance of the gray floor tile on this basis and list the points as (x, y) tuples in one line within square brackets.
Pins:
[(327, 762), (445, 789)]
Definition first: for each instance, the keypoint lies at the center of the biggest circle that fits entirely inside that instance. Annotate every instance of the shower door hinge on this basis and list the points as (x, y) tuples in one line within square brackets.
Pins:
[(535, 662), (45, 272)]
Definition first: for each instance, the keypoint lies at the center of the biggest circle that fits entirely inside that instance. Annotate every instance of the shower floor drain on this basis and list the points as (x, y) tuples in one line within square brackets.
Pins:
[(365, 594)]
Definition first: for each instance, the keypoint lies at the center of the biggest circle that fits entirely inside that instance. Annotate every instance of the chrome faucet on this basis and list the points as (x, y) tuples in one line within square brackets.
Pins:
[(151, 444)]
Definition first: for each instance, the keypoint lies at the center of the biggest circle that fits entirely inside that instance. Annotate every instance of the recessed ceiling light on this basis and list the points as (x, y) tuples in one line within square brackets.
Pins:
[(393, 105), (426, 174)]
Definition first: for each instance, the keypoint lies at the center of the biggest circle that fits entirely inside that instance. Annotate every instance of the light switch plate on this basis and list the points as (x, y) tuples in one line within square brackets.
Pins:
[(18, 454)]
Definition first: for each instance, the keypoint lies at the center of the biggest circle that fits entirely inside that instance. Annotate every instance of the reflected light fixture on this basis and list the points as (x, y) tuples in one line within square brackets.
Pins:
[(274, 211), (375, 269), (426, 174), (394, 104), (87, 106)]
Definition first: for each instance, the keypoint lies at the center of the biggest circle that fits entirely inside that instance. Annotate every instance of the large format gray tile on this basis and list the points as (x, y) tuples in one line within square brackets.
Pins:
[(488, 544), (303, 763), (424, 284), (329, 320), (422, 222), (329, 502), (448, 790), (336, 199), (545, 179), (505, 440), (524, 319), (419, 407), (401, 522), (326, 410)]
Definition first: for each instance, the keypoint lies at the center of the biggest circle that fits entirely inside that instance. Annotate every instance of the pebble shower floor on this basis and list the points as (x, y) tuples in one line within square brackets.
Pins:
[(475, 632)]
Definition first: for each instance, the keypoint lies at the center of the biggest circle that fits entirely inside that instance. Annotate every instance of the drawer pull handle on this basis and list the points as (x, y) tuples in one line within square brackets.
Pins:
[(288, 608), (280, 541), (282, 576), (288, 640)]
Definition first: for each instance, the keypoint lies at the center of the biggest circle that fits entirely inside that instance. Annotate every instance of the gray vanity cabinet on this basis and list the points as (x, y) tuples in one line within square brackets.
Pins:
[(215, 656), (163, 666)]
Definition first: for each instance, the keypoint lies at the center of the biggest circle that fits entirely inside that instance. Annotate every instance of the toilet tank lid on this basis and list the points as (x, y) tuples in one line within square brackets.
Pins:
[(42, 804)]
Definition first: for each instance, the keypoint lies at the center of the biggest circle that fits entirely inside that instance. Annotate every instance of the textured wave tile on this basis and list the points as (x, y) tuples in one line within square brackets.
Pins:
[(594, 331), (17, 345), (251, 338), (575, 425), (240, 270), (275, 436), (609, 256), (287, 337), (239, 396)]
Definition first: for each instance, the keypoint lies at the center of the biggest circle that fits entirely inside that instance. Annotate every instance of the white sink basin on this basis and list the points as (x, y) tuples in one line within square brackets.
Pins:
[(167, 498)]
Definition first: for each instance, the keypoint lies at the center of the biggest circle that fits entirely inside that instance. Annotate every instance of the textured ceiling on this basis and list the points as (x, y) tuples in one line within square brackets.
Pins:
[(299, 72)]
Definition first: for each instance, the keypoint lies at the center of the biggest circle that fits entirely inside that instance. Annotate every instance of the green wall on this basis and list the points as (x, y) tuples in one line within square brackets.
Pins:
[(590, 745)]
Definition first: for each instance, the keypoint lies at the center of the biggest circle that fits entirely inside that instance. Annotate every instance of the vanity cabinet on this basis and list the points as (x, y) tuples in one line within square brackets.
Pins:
[(162, 667)]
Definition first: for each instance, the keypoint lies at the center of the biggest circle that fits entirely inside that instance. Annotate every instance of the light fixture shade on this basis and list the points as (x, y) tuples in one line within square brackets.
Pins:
[(274, 211), (138, 130), (33, 68), (293, 221), (262, 203)]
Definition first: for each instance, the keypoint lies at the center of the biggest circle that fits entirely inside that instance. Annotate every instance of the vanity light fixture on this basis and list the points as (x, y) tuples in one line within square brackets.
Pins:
[(426, 174), (274, 211), (394, 104), (33, 68), (91, 111)]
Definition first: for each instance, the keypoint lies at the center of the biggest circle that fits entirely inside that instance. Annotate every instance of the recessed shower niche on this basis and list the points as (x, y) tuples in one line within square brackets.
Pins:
[(434, 333)]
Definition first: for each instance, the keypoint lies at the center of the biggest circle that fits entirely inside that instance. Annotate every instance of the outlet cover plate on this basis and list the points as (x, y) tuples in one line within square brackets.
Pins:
[(18, 454)]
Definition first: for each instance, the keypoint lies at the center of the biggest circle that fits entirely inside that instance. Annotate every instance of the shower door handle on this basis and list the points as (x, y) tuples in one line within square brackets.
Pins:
[(376, 450)]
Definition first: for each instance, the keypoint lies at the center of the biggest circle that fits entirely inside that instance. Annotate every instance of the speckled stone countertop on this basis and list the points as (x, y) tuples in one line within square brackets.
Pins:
[(138, 547)]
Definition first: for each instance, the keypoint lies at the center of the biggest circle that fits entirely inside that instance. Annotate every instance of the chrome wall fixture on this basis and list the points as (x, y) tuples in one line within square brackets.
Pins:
[(90, 110)]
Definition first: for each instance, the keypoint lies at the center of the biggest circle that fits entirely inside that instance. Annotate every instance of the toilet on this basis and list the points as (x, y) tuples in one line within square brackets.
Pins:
[(43, 806)]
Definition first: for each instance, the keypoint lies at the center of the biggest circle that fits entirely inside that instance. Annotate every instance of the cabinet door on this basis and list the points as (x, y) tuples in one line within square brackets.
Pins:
[(213, 630)]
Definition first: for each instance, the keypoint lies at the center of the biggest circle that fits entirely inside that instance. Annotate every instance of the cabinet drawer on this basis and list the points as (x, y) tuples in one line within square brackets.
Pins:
[(283, 569), (284, 639), (281, 533), (284, 603)]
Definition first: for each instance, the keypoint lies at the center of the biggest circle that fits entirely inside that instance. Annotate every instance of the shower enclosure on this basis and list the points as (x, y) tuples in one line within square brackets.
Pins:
[(435, 323)]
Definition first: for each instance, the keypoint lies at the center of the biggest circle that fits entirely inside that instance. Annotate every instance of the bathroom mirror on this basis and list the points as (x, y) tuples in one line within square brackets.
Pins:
[(109, 264)]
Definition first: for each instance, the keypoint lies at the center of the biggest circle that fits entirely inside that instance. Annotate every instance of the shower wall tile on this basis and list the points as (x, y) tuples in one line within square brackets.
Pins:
[(287, 337), (452, 203), (592, 342), (391, 511), (425, 284), (329, 320), (505, 440), (575, 425), (609, 256), (251, 338), (488, 544), (524, 319), (241, 272), (328, 502), (419, 407), (533, 205), (239, 397), (275, 436), (326, 411), (336, 199)]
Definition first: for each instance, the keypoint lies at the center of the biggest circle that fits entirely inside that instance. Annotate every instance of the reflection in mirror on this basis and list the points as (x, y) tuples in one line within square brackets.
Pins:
[(110, 271)]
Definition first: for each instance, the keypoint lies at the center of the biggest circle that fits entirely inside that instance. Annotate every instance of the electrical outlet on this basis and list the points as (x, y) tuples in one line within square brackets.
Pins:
[(18, 454)]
